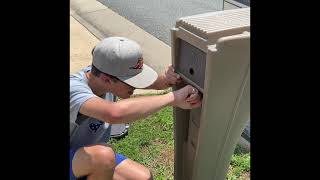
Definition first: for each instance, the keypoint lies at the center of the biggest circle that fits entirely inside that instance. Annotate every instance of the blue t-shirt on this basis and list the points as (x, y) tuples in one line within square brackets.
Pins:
[(85, 130)]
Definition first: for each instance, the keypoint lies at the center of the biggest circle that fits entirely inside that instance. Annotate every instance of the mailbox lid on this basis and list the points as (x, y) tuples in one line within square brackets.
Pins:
[(214, 25)]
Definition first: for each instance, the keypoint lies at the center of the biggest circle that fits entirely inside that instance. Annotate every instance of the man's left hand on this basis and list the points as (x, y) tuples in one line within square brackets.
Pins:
[(171, 77)]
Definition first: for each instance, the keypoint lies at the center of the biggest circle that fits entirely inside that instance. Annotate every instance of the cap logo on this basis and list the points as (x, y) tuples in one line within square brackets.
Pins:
[(139, 64)]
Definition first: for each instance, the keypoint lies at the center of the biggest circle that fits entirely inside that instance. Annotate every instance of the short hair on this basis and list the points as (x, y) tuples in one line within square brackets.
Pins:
[(92, 50)]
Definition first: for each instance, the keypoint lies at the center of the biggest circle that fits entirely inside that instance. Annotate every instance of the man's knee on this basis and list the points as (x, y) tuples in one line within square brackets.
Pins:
[(149, 176), (146, 175), (103, 157)]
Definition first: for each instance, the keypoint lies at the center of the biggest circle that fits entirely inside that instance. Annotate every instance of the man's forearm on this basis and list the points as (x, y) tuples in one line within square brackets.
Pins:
[(129, 110), (159, 84)]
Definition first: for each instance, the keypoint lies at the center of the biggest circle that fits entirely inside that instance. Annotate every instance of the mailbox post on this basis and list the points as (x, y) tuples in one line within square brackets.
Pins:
[(211, 51)]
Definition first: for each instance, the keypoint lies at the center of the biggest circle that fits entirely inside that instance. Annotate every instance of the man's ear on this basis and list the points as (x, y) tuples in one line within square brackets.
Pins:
[(105, 78)]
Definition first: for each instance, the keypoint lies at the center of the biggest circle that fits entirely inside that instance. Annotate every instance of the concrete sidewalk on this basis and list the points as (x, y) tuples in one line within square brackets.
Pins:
[(81, 44)]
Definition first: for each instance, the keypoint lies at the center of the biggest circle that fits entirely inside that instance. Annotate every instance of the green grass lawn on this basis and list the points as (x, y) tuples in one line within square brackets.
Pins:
[(150, 142)]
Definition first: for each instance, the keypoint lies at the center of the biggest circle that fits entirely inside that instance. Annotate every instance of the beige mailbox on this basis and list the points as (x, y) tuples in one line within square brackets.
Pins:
[(211, 51)]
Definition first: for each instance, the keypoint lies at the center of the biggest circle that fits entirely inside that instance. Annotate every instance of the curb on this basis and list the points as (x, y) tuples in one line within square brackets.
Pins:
[(94, 31)]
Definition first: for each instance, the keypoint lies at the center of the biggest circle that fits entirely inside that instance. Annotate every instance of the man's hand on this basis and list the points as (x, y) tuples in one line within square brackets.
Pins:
[(187, 97), (171, 77), (166, 80)]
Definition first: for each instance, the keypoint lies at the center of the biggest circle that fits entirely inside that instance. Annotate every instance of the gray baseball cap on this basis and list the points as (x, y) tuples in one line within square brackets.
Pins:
[(122, 58)]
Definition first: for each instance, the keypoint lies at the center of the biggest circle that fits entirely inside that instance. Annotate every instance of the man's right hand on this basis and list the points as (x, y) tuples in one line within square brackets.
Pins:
[(187, 97)]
